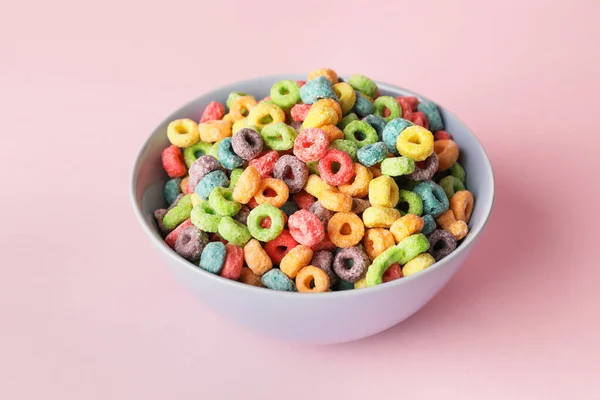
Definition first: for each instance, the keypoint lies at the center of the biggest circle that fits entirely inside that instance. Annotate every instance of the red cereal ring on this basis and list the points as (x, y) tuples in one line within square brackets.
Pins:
[(303, 200), (442, 135), (299, 111), (234, 261), (214, 110), (311, 144), (172, 160), (277, 248), (393, 272), (306, 228), (324, 244), (265, 163), (406, 108), (411, 101), (216, 238), (301, 83), (419, 118), (327, 166)]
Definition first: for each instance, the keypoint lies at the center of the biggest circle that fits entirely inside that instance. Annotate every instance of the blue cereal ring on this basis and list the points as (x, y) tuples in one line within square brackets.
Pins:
[(211, 181), (391, 132), (213, 257), (317, 89), (289, 208), (433, 115), (372, 154), (378, 123), (172, 189), (277, 280), (434, 198), (429, 224), (227, 156), (362, 106)]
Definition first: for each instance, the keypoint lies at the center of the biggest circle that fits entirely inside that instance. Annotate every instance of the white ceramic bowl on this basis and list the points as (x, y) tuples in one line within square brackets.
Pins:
[(312, 318)]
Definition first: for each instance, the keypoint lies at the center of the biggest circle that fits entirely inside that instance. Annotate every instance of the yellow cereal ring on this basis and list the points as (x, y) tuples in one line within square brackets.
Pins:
[(448, 221), (183, 133), (241, 107), (359, 184), (247, 185), (406, 226), (213, 131), (264, 114), (345, 229), (328, 73), (311, 279), (376, 241), (415, 142), (282, 192), (384, 192), (315, 185), (417, 264), (320, 117), (332, 132), (239, 125), (335, 201), (227, 117), (361, 283), (380, 217), (296, 259), (196, 199), (256, 257), (346, 96), (328, 103)]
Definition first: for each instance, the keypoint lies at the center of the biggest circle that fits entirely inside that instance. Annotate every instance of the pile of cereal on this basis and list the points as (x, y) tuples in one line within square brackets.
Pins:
[(323, 185)]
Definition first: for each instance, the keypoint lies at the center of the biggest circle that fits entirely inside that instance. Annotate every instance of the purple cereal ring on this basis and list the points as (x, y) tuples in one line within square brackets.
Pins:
[(324, 259), (159, 215), (432, 164), (292, 172), (242, 215), (351, 264), (190, 243), (201, 167), (359, 205), (297, 125), (441, 243), (247, 144), (321, 212)]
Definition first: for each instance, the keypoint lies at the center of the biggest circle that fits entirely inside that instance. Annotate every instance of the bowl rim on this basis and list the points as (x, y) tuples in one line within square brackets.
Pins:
[(470, 239)]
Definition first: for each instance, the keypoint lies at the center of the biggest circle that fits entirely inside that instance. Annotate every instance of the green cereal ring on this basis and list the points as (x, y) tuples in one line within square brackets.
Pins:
[(458, 171), (347, 146), (205, 218), (214, 150), (415, 204), (191, 154), (233, 231), (279, 136), (285, 94), (233, 178), (397, 166), (257, 215), (313, 166), (402, 253), (346, 120), (179, 213), (221, 200), (363, 85), (234, 95), (360, 133), (451, 185), (383, 102)]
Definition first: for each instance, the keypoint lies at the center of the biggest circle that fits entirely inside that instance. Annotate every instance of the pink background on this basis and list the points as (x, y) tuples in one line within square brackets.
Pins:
[(88, 312)]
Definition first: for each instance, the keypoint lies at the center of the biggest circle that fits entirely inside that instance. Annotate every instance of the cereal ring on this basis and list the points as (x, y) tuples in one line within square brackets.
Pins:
[(461, 205), (272, 191), (363, 85), (429, 224), (247, 144), (214, 110), (383, 192), (347, 146), (387, 103), (202, 167), (292, 172), (358, 185), (192, 153), (433, 115), (183, 133), (451, 185), (256, 257), (247, 185), (447, 152), (265, 163), (234, 261), (205, 218), (333, 132), (448, 222), (311, 279), (414, 204), (434, 198), (277, 280), (372, 154), (221, 200), (234, 177), (279, 136), (458, 171), (233, 231), (213, 131), (227, 156), (303, 199), (441, 243), (334, 158), (296, 259), (418, 264), (249, 278), (280, 246), (329, 104), (264, 114), (324, 259), (299, 112), (239, 125), (311, 145), (257, 215), (214, 149), (378, 123), (171, 238), (415, 142), (241, 107), (397, 166), (351, 264), (173, 162), (326, 72), (336, 201), (406, 226), (442, 135), (172, 189), (315, 186), (411, 102), (392, 131), (321, 113), (211, 181), (346, 96), (363, 105), (346, 120), (306, 228), (376, 241), (393, 272), (428, 170), (179, 212), (345, 229), (242, 215), (360, 133), (343, 285), (359, 205), (213, 257), (190, 243), (420, 119), (321, 212), (233, 96), (380, 217), (285, 94), (316, 89), (289, 208)]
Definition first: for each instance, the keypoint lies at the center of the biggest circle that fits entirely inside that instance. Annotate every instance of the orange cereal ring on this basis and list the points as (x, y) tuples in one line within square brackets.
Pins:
[(297, 258), (328, 73), (332, 132), (447, 152), (461, 205), (240, 107), (311, 279), (213, 131), (256, 258), (358, 186), (406, 226), (247, 185), (376, 171), (335, 201), (272, 191), (249, 278), (376, 241), (185, 188), (345, 229), (380, 217), (448, 222)]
